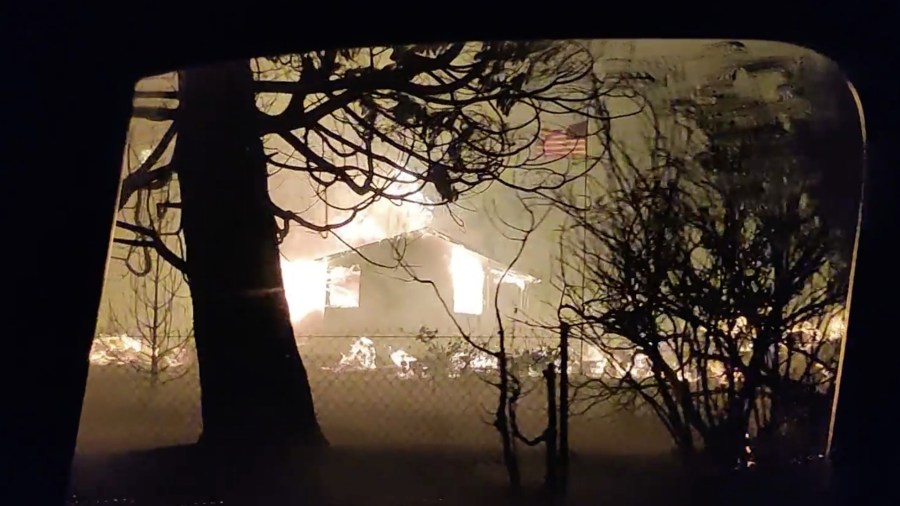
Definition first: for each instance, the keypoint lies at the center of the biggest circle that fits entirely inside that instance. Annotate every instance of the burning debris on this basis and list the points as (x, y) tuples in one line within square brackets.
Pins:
[(407, 364), (123, 349), (361, 357)]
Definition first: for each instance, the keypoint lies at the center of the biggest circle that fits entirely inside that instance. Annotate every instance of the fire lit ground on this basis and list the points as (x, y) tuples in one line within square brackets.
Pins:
[(379, 306)]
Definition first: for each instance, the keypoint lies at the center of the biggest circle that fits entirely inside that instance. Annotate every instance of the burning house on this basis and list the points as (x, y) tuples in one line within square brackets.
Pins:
[(395, 286)]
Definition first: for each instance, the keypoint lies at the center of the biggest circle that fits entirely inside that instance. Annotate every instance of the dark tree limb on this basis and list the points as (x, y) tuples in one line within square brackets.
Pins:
[(151, 239), (153, 113), (145, 176), (169, 95)]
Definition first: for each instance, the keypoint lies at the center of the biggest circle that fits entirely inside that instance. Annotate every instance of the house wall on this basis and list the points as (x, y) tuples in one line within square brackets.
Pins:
[(392, 303)]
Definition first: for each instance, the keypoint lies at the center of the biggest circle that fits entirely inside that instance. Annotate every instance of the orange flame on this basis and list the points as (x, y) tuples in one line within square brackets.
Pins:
[(306, 281)]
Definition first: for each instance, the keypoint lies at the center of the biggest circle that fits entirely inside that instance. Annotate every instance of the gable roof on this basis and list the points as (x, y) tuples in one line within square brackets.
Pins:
[(495, 266)]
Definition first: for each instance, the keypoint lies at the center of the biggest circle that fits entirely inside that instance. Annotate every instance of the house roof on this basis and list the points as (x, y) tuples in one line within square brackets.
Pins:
[(495, 266)]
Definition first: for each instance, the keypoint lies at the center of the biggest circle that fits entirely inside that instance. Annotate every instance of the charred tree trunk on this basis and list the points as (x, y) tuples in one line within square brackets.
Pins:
[(154, 330), (551, 476), (564, 409), (254, 386), (502, 418), (154, 369)]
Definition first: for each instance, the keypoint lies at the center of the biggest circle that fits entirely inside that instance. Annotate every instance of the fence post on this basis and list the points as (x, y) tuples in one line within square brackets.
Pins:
[(564, 408), (550, 433)]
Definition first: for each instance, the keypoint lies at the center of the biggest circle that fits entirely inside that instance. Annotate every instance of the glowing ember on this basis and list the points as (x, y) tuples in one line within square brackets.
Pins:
[(484, 362), (120, 349), (468, 281), (305, 284), (362, 355), (126, 350), (407, 364), (402, 359)]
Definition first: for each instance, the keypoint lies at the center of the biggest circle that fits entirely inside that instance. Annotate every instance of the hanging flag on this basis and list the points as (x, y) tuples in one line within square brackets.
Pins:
[(565, 142)]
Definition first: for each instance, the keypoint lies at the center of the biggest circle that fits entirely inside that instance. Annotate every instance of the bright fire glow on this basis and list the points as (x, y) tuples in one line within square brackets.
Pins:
[(343, 286), (362, 355), (388, 218), (513, 278), (467, 273), (305, 283), (362, 230), (115, 349), (402, 359), (126, 350)]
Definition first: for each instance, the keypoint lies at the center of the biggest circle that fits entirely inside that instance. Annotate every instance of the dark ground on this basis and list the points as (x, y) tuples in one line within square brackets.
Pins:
[(181, 475), (374, 410), (393, 442)]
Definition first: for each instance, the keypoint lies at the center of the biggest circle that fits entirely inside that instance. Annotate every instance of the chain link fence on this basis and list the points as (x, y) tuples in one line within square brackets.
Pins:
[(405, 417), (389, 392)]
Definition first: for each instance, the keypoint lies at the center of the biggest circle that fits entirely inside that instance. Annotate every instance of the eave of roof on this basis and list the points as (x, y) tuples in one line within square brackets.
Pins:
[(426, 232)]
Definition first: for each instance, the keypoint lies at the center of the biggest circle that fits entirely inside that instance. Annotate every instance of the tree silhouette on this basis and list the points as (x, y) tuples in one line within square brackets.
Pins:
[(710, 282), (507, 368), (160, 348), (157, 323), (369, 124)]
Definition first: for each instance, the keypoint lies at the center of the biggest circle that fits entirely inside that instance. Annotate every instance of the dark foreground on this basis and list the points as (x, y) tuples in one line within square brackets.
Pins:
[(395, 442), (344, 476)]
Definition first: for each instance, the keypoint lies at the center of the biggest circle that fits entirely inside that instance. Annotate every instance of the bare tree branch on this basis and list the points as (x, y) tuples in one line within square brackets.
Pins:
[(702, 270), (153, 113), (153, 239)]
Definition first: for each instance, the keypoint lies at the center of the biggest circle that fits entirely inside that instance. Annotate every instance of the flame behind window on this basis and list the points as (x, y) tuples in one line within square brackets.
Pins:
[(343, 286), (305, 283), (467, 274)]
